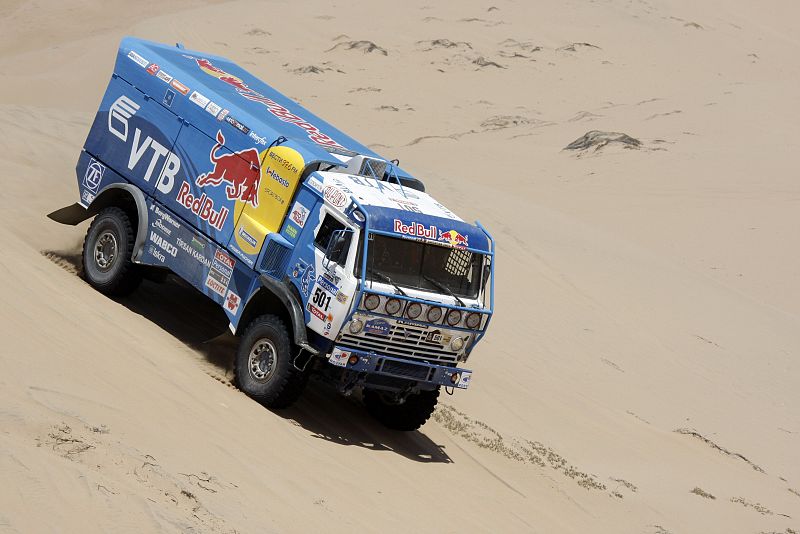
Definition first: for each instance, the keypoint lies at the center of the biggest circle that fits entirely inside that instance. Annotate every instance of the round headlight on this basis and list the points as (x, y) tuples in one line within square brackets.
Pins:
[(414, 310), (473, 320), (393, 306), (434, 314), (457, 344), (356, 325), (454, 317), (371, 301)]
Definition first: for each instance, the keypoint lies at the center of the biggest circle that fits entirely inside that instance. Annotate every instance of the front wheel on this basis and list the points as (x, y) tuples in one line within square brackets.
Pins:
[(407, 415), (263, 368), (107, 252)]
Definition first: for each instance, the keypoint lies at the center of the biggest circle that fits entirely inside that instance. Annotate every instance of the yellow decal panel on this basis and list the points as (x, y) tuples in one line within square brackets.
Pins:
[(281, 169)]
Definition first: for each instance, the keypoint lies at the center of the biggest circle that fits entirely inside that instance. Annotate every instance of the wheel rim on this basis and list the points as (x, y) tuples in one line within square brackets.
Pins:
[(105, 250), (262, 360)]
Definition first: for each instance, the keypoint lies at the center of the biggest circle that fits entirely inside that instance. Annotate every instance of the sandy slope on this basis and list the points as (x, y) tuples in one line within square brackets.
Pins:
[(648, 327)]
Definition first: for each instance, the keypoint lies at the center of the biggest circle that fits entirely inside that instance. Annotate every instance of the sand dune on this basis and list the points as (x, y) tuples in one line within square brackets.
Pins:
[(642, 371)]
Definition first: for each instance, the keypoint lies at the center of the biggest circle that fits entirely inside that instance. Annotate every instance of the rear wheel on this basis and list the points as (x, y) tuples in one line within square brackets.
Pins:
[(263, 366), (407, 415), (107, 252)]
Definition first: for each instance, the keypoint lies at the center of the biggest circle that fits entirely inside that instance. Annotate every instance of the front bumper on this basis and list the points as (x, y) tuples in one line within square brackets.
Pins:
[(372, 363)]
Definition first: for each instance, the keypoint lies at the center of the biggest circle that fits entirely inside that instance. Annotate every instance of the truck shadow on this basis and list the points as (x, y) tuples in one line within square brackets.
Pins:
[(192, 318)]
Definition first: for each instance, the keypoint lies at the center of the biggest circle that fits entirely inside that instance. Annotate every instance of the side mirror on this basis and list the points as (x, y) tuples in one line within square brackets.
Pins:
[(338, 247)]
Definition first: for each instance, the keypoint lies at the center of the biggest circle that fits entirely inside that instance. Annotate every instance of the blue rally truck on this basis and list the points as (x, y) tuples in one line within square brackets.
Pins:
[(326, 257)]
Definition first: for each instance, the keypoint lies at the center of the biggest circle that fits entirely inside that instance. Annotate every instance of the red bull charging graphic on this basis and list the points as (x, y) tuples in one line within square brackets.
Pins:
[(240, 170)]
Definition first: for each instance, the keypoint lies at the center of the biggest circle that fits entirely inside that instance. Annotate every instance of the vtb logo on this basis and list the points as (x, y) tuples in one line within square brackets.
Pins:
[(119, 114), (240, 170)]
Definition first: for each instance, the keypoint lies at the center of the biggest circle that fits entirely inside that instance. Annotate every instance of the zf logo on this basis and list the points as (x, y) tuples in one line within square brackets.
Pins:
[(94, 175), (122, 109)]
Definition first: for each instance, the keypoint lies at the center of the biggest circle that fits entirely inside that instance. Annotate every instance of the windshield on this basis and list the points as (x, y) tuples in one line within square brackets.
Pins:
[(422, 265)]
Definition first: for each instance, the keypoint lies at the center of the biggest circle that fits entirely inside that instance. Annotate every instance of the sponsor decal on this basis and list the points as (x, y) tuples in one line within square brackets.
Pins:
[(315, 184), (339, 358), (202, 206), (335, 196), (163, 244), (238, 125), (316, 312), (93, 176), (199, 99), (436, 336), (250, 240), (257, 138), (272, 173), (291, 231), (454, 238), (223, 114), (152, 69), (407, 205), (169, 96), (299, 214), (194, 249), (163, 76), (279, 111), (342, 298), (136, 58), (166, 216), (232, 302), (219, 275), (306, 279), (327, 285), (416, 230), (464, 380), (178, 86), (213, 108), (159, 224), (87, 197), (239, 170), (282, 162), (119, 113), (379, 327)]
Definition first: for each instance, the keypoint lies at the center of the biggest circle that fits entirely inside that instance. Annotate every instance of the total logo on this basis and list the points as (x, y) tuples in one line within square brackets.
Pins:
[(119, 115)]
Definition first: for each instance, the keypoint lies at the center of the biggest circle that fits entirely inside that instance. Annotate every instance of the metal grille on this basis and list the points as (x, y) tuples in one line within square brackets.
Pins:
[(403, 341), (275, 258), (408, 370)]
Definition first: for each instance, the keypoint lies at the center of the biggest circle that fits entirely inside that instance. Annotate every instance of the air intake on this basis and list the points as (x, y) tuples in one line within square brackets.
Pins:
[(366, 166)]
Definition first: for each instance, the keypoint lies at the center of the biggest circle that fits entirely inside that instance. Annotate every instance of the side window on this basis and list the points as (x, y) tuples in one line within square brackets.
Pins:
[(329, 225)]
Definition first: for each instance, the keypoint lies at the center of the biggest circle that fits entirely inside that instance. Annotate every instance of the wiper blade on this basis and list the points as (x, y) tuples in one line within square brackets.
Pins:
[(445, 289), (389, 280)]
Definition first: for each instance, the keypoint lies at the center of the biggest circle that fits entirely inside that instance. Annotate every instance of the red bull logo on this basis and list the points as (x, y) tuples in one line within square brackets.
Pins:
[(454, 238), (240, 170)]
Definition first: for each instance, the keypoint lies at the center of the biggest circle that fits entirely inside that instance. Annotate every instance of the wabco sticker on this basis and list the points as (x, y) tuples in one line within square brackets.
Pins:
[(219, 275), (152, 69), (199, 99), (232, 301), (379, 327), (299, 214), (94, 175), (163, 76), (178, 86), (339, 358), (335, 196), (139, 60)]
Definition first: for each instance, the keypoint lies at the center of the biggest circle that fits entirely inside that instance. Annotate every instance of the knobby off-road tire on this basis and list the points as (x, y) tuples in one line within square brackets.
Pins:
[(407, 416), (107, 252), (263, 368)]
